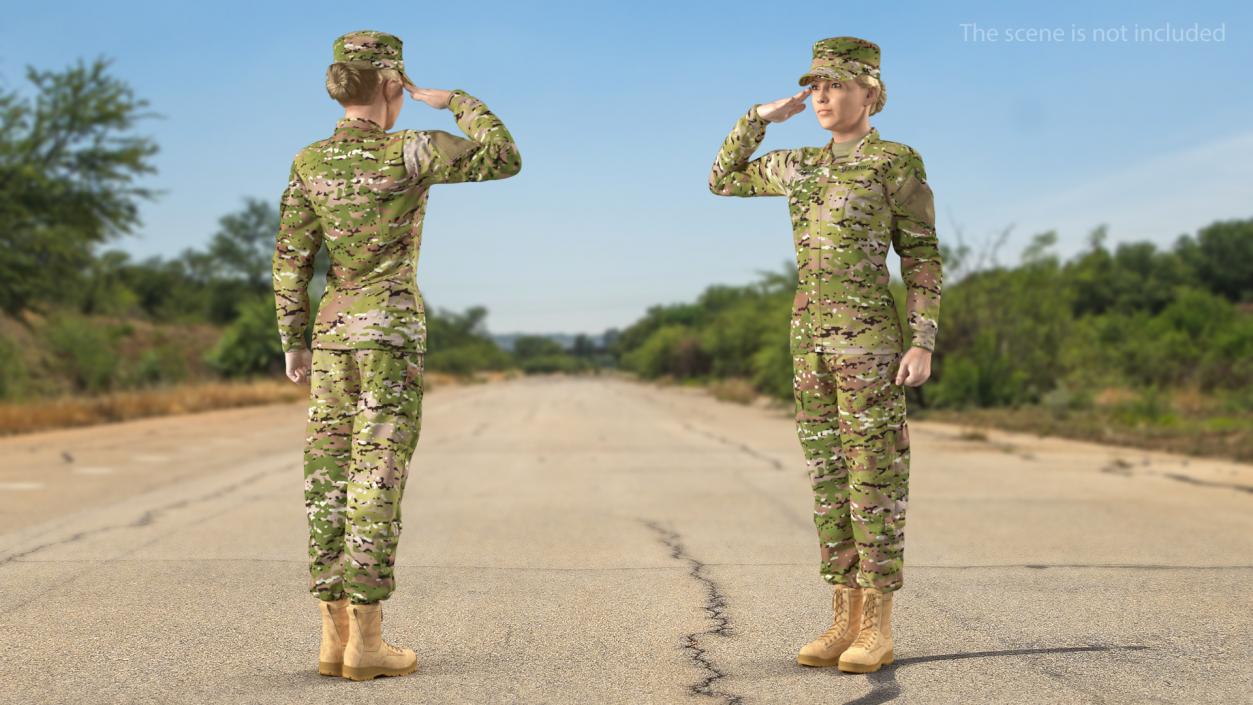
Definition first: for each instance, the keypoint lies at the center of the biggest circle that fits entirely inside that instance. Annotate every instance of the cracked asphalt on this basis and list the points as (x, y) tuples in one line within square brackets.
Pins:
[(595, 540)]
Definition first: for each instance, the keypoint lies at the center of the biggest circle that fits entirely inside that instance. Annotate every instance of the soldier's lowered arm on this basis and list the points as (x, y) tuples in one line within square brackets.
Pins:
[(914, 239), (440, 157), (299, 238)]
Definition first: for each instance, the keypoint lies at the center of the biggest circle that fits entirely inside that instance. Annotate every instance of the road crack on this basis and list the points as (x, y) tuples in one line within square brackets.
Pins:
[(742, 447), (715, 606), (145, 519)]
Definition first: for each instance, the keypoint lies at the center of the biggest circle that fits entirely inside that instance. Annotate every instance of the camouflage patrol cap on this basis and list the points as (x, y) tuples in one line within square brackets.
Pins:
[(370, 49), (843, 59)]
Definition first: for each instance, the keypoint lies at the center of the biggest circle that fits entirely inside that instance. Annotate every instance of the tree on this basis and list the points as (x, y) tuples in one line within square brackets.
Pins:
[(528, 346), (67, 167), (1222, 257), (243, 247)]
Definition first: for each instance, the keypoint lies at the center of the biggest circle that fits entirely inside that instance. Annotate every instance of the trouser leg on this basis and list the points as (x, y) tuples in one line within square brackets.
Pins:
[(818, 429), (875, 437), (333, 386), (385, 434)]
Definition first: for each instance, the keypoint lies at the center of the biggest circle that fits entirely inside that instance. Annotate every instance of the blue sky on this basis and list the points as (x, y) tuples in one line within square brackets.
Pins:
[(619, 109)]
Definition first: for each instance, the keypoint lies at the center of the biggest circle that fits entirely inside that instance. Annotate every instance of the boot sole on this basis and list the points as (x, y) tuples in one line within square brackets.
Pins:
[(372, 672), (327, 668), (847, 667), (817, 662)]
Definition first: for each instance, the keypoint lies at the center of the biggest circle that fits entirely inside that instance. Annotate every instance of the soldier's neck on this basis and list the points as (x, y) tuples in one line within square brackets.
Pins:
[(851, 134), (375, 113)]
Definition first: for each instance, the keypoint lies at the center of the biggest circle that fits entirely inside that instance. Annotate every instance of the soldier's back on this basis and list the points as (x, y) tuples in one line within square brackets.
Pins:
[(370, 207)]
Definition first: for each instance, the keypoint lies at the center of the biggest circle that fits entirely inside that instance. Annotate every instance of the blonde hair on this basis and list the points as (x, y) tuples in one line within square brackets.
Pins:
[(353, 85), (870, 82)]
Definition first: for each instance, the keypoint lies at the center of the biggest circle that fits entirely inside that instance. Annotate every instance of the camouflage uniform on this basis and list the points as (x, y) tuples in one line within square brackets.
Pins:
[(846, 337), (363, 193)]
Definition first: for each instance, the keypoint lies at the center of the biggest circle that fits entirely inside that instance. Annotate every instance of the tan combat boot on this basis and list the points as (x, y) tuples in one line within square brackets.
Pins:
[(873, 646), (826, 649), (334, 636), (367, 656)]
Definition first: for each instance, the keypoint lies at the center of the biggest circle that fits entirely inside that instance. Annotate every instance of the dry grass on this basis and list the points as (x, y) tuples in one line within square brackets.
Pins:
[(973, 434), (69, 411), (1228, 436), (736, 390)]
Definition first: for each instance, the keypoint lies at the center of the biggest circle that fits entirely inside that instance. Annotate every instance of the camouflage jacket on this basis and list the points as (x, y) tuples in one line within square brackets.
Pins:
[(362, 191), (845, 212)]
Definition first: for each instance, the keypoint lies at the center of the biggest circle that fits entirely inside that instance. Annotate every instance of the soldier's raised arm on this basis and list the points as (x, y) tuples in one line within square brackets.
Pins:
[(298, 241), (914, 239), (439, 157), (734, 175)]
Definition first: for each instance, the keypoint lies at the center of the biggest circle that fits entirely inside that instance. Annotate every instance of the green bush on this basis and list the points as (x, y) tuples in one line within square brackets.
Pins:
[(12, 370), (83, 352), (163, 363), (772, 369), (544, 364), (467, 358), (249, 345), (670, 350), (1150, 407)]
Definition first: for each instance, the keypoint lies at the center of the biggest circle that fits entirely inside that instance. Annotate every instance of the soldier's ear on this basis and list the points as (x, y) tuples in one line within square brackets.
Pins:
[(872, 95)]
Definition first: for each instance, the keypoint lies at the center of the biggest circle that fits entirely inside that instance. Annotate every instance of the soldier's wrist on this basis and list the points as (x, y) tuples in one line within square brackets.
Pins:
[(452, 97)]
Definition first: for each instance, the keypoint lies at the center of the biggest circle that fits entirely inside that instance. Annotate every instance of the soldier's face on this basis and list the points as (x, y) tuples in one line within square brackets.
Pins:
[(839, 104)]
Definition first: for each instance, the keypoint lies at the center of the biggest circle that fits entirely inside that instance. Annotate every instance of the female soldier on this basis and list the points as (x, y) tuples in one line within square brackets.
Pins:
[(848, 200), (363, 192)]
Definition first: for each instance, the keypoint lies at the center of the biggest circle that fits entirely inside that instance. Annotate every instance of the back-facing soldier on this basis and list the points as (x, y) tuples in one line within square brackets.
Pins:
[(362, 191)]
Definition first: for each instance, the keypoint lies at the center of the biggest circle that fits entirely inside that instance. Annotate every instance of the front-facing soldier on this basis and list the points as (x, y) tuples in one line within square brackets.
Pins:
[(362, 192), (849, 200)]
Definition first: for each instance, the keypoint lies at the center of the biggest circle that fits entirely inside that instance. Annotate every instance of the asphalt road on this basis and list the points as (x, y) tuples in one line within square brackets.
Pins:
[(603, 541)]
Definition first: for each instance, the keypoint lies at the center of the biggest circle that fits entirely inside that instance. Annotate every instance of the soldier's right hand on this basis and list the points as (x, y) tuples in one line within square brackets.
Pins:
[(433, 97), (783, 108), (299, 363)]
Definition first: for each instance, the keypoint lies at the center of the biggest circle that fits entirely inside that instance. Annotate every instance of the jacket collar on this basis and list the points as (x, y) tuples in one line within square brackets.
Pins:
[(358, 124), (867, 139)]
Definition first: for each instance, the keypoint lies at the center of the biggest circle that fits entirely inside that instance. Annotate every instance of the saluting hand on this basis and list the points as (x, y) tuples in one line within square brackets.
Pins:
[(434, 97), (784, 108)]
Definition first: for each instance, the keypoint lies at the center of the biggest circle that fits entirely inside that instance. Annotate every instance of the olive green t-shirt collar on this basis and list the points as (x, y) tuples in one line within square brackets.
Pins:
[(846, 149)]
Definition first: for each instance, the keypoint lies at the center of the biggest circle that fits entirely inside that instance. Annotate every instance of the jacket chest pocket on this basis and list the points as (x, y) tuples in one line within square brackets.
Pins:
[(856, 195)]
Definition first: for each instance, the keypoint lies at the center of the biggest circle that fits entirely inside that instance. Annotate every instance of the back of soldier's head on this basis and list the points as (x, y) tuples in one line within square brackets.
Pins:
[(353, 85)]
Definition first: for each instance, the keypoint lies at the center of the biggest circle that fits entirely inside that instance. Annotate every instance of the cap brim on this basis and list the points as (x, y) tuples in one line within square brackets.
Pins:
[(829, 75)]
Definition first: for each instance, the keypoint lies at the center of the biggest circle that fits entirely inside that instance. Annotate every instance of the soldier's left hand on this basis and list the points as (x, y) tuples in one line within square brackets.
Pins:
[(915, 367), (299, 363)]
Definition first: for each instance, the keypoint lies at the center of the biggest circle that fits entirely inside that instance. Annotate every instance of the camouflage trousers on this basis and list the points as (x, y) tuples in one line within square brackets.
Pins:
[(850, 418), (365, 412)]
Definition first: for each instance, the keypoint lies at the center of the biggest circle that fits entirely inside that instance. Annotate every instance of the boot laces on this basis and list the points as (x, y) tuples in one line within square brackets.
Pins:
[(840, 625), (390, 647), (869, 632)]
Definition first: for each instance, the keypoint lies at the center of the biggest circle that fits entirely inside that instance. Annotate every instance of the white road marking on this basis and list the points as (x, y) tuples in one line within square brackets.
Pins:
[(19, 486)]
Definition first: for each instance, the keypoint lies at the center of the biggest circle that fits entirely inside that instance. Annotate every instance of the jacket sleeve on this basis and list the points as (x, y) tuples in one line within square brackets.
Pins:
[(734, 175), (914, 239), (299, 238), (439, 157)]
